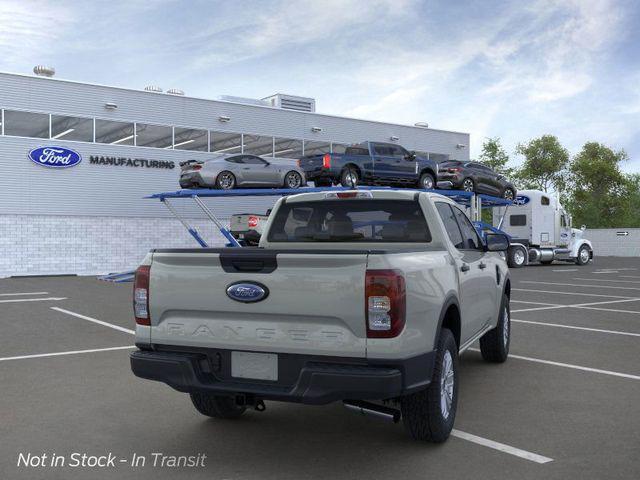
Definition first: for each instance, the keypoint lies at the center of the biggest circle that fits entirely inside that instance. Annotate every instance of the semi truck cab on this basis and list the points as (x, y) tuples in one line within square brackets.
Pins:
[(541, 231)]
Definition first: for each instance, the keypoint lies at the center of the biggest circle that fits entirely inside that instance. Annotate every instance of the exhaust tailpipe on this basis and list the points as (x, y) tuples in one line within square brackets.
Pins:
[(379, 411)]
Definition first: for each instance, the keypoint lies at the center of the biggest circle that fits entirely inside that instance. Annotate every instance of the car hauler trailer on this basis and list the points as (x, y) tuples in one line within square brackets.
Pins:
[(541, 232)]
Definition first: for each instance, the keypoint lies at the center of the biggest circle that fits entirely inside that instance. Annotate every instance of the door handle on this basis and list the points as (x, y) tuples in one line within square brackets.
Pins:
[(465, 267), (246, 168), (482, 265)]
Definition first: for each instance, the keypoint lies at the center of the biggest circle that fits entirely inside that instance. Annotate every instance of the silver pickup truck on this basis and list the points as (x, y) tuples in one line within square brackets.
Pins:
[(365, 297)]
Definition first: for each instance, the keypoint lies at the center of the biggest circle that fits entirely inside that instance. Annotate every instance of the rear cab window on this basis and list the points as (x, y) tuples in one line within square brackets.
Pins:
[(366, 221)]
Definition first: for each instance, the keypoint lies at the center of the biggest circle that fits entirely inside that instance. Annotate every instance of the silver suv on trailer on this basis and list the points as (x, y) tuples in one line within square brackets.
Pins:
[(365, 297)]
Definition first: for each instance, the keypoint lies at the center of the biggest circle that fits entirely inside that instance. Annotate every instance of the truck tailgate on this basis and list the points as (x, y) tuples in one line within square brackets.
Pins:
[(315, 301)]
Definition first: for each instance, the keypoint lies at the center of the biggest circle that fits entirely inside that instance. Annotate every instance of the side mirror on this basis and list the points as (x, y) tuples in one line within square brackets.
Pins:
[(496, 242), (583, 228), (410, 156)]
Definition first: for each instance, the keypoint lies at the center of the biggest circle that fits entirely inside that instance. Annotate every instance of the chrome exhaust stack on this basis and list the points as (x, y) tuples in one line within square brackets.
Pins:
[(379, 411)]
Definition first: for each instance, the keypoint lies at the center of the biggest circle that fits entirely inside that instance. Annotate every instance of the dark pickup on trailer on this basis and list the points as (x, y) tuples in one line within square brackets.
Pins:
[(371, 163)]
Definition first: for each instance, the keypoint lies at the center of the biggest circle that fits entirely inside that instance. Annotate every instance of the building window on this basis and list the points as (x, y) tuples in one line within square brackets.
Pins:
[(257, 145), (26, 124), (225, 142), (316, 148), (287, 148), (338, 147), (157, 136), (71, 128), (190, 139), (115, 133)]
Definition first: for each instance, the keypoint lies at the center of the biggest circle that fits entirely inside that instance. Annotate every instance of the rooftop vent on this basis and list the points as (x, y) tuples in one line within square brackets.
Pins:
[(153, 88), (175, 91), (43, 71), (291, 102)]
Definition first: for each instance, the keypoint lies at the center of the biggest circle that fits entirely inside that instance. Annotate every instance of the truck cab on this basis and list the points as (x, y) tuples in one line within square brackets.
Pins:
[(541, 231)]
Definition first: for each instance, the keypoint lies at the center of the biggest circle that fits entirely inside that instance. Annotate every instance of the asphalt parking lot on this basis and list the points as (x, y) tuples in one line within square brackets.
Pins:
[(565, 405)]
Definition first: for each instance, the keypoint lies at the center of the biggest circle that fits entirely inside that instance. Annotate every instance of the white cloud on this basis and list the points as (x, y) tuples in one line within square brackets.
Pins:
[(30, 29)]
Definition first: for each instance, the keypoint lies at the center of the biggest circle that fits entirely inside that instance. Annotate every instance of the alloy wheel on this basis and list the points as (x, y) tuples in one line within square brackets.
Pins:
[(293, 180), (467, 185), (447, 380)]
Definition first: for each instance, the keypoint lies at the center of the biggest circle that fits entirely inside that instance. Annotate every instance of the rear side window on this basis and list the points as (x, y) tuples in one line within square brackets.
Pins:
[(450, 224), (544, 200), (347, 220), (357, 151), (518, 220)]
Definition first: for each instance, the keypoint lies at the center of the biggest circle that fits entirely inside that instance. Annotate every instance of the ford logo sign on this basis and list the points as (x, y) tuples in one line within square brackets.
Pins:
[(247, 292), (55, 157), (521, 200)]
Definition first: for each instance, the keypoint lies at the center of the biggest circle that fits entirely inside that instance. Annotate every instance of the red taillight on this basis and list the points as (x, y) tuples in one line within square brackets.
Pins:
[(141, 295), (252, 222), (326, 161), (196, 167), (455, 170), (385, 303), (298, 162)]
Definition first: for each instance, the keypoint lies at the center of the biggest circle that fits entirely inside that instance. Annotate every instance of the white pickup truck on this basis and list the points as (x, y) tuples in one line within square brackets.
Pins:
[(365, 297)]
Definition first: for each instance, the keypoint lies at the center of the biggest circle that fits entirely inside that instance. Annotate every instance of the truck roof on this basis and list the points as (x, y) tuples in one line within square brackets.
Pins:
[(391, 194)]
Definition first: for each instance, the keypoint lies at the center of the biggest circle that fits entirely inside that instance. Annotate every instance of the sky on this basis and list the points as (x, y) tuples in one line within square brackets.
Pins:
[(509, 69)]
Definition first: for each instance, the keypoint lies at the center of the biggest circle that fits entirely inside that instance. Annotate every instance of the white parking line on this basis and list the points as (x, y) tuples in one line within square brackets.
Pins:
[(606, 280), (73, 352), (582, 305), (16, 300), (569, 365), (608, 309), (566, 270), (536, 303), (533, 457), (581, 285), (573, 327), (95, 320), (629, 276), (567, 293), (27, 293)]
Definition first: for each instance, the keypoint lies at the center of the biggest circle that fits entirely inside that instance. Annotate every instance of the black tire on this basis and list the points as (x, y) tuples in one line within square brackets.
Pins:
[(509, 194), (517, 257), (494, 345), (422, 414), (225, 180), (289, 180), (468, 185), (216, 406), (349, 177), (580, 259), (426, 182)]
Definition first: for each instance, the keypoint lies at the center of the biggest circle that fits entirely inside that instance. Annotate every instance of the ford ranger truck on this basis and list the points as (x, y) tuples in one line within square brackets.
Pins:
[(371, 163), (364, 297)]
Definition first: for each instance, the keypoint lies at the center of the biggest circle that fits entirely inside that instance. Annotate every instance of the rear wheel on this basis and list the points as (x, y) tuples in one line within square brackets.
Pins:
[(427, 182), (429, 414), (216, 406), (293, 180), (468, 185), (584, 255), (494, 345), (349, 177), (225, 180), (517, 257)]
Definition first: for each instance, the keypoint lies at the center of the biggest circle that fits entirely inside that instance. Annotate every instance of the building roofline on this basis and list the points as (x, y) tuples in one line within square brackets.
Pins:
[(229, 102)]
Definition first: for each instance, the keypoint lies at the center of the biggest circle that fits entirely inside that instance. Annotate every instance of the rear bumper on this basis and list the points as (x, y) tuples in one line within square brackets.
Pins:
[(320, 173), (302, 378)]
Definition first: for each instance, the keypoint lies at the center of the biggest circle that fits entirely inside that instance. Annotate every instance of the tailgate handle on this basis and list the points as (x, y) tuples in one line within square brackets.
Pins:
[(248, 263)]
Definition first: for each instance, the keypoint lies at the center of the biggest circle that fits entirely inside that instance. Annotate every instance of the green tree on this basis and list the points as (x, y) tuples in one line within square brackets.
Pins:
[(600, 194), (545, 164), (494, 156)]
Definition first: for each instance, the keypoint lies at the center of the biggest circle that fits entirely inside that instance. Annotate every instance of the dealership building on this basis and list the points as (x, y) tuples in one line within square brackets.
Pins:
[(91, 217)]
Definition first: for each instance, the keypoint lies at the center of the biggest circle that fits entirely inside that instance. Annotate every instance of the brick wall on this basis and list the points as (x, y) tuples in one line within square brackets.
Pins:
[(611, 242), (51, 245)]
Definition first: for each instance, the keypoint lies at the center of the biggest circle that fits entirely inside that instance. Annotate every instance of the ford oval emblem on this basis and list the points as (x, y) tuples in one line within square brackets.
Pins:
[(521, 200), (55, 157), (247, 292)]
